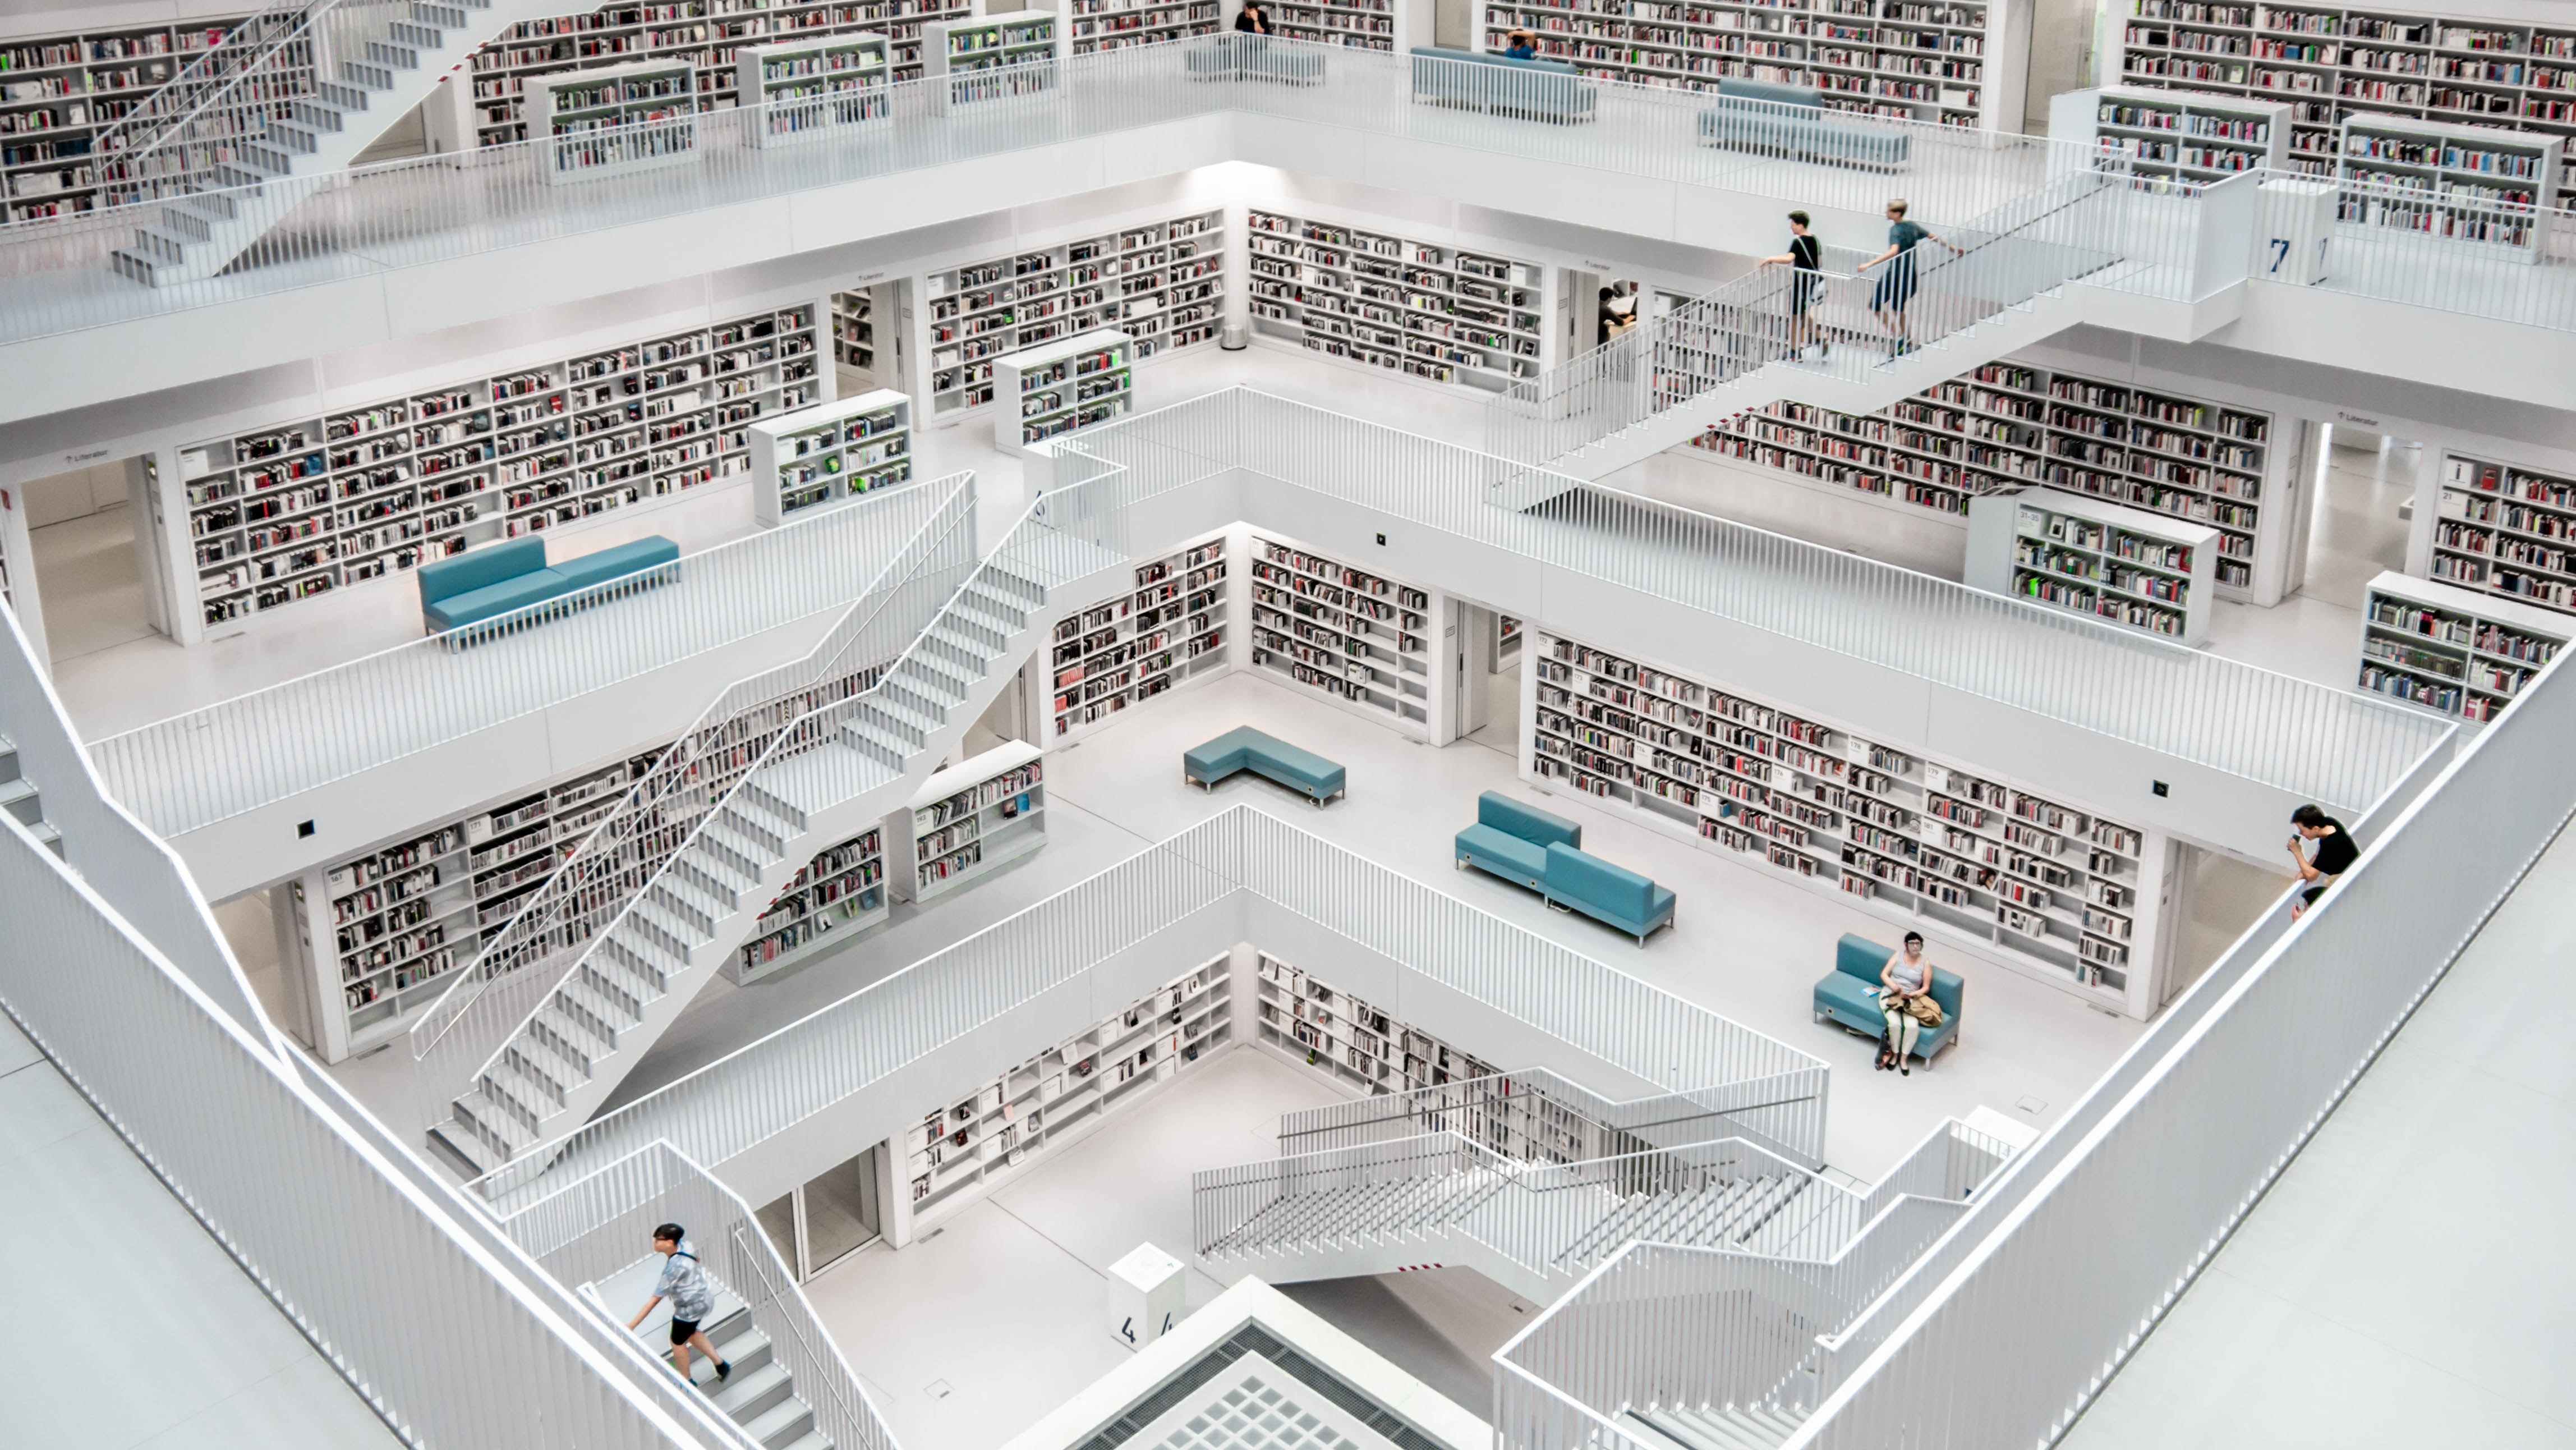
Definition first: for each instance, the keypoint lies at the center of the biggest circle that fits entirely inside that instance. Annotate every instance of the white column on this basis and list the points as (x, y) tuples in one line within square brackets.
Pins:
[(1238, 267)]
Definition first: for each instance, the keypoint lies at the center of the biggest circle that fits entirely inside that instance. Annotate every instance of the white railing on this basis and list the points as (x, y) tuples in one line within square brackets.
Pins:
[(172, 142), (2476, 258), (240, 754), (771, 1085), (1541, 1114), (590, 1230)]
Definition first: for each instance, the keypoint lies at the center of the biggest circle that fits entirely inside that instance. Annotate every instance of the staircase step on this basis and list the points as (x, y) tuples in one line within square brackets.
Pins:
[(346, 97), (48, 837), (876, 743), (367, 75), (569, 1037), (781, 1425), (460, 1139), (527, 1101), (502, 1135), (539, 1067), (19, 798), (750, 1392), (598, 1015)]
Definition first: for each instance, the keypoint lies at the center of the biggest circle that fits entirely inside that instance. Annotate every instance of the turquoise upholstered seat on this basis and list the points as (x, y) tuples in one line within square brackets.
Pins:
[(1246, 749)]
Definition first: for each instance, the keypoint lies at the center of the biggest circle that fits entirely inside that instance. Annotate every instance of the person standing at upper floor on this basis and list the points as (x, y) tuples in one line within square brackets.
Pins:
[(1253, 18)]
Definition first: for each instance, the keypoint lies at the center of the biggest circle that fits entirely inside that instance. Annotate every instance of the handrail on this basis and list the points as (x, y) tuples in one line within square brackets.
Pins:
[(286, 31)]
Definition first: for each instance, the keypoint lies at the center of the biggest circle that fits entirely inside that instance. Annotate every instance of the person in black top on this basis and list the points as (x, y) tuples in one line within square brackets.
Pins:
[(2335, 852), (1805, 260), (1252, 19), (1606, 323)]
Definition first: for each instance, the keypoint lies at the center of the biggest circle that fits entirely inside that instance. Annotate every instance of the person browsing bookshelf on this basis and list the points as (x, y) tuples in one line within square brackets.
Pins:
[(1253, 18), (1905, 997), (1897, 278), (2333, 854), (1805, 260)]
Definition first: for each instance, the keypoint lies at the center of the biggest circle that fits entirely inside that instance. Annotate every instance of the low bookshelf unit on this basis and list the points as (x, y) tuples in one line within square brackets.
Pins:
[(2449, 181), (813, 88), (2175, 136), (1362, 1048), (1061, 387), (1170, 631), (830, 453), (830, 900), (2106, 562), (989, 59), (1353, 636), (617, 120), (1425, 309), (1098, 25), (970, 820), (2453, 651), (2500, 528)]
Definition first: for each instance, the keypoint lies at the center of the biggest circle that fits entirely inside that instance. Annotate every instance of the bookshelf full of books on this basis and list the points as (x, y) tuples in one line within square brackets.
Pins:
[(2331, 64), (854, 329), (381, 932), (830, 453), (2453, 651), (1097, 25), (1364, 1049), (2447, 180), (292, 511), (617, 120), (2164, 136), (1059, 387), (828, 902), (1428, 310), (2044, 885), (969, 821), (1360, 24), (1162, 283), (1914, 60), (707, 36), (2103, 561), (2005, 425), (1355, 637), (60, 93), (958, 1150), (1171, 630), (2505, 529), (813, 87), (1004, 56)]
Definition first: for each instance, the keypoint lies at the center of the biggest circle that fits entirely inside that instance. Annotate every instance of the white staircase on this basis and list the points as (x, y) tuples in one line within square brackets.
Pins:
[(20, 798), (1722, 1427), (260, 122), (758, 1392)]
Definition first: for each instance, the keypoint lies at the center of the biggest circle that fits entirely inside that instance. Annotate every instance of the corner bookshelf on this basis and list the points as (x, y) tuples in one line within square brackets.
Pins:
[(296, 510), (2004, 425), (60, 93), (1006, 56), (2453, 651), (830, 900), (2329, 63), (854, 329), (1098, 25), (969, 821), (2461, 183), (829, 453), (1170, 631), (1359, 24), (958, 1150), (1430, 311), (1350, 635), (2109, 563), (1060, 387), (2046, 886), (1904, 59), (1358, 1046), (386, 928), (1162, 283), (617, 120), (2502, 529), (814, 87), (2167, 135), (494, 111)]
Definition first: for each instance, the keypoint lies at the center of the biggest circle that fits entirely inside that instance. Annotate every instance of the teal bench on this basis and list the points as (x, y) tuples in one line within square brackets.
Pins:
[(1247, 749), (1791, 121), (490, 586), (1844, 998), (1543, 90), (1545, 853)]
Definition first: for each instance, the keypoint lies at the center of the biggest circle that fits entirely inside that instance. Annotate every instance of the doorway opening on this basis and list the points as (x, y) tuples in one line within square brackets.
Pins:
[(91, 578), (2361, 511)]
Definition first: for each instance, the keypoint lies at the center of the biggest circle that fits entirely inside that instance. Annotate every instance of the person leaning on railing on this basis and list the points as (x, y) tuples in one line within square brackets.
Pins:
[(2335, 853), (1805, 260), (1896, 284), (1253, 18)]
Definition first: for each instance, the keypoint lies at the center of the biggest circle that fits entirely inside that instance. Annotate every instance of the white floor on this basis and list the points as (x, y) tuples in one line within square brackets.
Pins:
[(128, 1325), (2406, 1283)]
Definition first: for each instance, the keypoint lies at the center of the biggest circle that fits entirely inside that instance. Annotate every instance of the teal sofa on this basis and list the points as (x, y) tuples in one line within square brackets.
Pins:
[(1791, 121), (1542, 90), (1844, 997), (489, 586), (1545, 853), (1246, 749)]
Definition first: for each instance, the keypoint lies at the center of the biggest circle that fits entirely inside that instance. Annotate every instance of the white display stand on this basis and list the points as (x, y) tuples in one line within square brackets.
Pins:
[(2177, 135), (2105, 561), (990, 59), (595, 124), (2299, 222), (969, 821), (2478, 183), (2453, 651), (1148, 1294), (1060, 387), (830, 454), (812, 88)]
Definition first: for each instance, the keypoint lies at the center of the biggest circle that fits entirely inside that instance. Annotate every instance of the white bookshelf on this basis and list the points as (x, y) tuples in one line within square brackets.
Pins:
[(1915, 60), (2503, 529), (2461, 183), (617, 120), (2106, 562), (2175, 135), (2006, 425), (2328, 62), (1360, 24), (1097, 25), (1060, 387), (1161, 282), (832, 898), (830, 453), (2450, 650), (61, 92), (1172, 630), (1428, 310), (1362, 1048), (990, 59), (969, 821), (813, 88), (960, 1150), (1355, 637), (296, 510), (2043, 885)]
